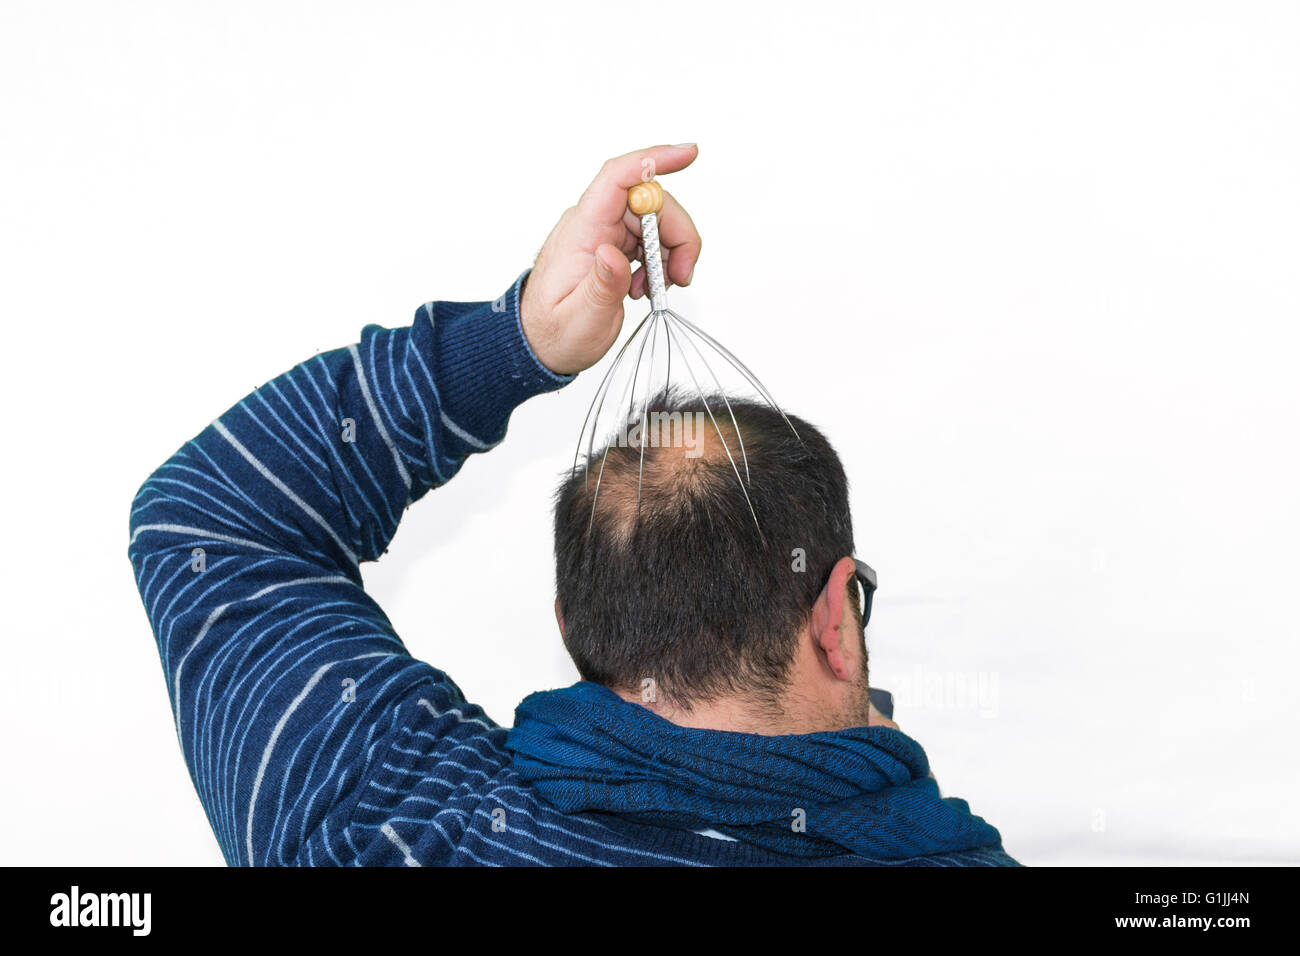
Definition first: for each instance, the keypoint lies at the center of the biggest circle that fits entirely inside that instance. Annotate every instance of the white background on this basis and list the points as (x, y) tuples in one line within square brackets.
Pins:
[(1032, 267)]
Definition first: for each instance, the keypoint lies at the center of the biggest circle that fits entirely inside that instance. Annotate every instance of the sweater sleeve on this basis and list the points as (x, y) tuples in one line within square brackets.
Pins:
[(284, 676)]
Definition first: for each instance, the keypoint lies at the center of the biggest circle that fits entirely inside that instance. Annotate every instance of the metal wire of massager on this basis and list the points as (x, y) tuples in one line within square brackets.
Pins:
[(645, 200)]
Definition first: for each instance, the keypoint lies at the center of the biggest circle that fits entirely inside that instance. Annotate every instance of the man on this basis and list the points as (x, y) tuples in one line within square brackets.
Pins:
[(724, 719)]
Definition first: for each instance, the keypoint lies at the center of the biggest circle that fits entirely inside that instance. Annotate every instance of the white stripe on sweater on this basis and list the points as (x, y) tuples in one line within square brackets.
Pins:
[(388, 831), (374, 413), (205, 535), (275, 735), (288, 492)]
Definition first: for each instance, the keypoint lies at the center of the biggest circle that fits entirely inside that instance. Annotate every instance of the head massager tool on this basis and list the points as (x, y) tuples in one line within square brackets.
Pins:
[(680, 335)]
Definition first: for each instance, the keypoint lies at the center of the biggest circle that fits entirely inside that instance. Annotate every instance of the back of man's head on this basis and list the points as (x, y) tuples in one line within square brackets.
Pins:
[(662, 572)]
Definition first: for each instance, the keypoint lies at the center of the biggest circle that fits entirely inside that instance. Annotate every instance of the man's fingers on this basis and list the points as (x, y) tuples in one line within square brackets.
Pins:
[(606, 197), (678, 234)]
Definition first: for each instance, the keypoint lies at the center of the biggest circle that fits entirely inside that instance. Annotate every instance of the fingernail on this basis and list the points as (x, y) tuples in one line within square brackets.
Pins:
[(603, 270), (689, 276), (684, 146)]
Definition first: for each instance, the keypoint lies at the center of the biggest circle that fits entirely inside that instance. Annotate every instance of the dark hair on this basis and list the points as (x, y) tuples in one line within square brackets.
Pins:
[(682, 586)]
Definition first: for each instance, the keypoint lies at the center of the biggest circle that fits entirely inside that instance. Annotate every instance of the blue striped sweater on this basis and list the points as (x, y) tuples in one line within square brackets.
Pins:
[(311, 735)]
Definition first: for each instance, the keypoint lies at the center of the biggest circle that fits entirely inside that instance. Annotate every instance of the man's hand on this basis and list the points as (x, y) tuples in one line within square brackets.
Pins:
[(572, 308), (876, 719)]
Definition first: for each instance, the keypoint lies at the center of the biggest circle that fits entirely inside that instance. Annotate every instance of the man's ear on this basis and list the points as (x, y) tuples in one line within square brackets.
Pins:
[(828, 618), (559, 617)]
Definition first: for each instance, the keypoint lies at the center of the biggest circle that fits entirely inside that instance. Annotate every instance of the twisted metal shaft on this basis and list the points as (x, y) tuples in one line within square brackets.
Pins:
[(654, 266)]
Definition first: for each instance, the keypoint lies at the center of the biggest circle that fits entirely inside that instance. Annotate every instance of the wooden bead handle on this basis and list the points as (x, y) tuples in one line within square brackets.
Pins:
[(645, 198)]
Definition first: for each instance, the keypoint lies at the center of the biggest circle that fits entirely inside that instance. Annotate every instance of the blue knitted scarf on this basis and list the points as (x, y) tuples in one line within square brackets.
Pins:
[(864, 791)]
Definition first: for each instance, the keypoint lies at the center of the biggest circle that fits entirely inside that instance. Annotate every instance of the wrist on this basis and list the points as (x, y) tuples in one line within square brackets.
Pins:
[(528, 320), (539, 332), (483, 363)]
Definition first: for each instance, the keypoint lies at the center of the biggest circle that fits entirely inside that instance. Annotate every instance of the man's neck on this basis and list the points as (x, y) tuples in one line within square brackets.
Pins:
[(733, 715)]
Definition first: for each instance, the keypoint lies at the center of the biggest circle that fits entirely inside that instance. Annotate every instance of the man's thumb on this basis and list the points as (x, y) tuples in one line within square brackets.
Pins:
[(608, 282)]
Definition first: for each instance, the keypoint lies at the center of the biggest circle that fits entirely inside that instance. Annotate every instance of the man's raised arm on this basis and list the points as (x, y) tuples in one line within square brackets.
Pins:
[(246, 546), (285, 678)]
